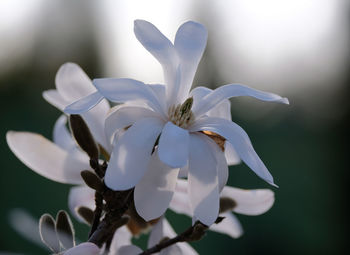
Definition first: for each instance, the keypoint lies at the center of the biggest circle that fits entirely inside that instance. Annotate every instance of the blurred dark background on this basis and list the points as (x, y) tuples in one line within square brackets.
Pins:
[(297, 49)]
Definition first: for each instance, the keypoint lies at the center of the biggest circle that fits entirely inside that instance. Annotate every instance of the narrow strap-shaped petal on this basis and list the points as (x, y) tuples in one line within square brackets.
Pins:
[(93, 109), (221, 110), (203, 180), (230, 225), (63, 138), (123, 90), (125, 116), (61, 135), (25, 225), (45, 157), (180, 202), (222, 168), (154, 192), (160, 47), (84, 104), (122, 236), (84, 249), (173, 145), (240, 141), (250, 202), (73, 85), (131, 154), (72, 82), (54, 98), (231, 155), (233, 90), (80, 196), (190, 42)]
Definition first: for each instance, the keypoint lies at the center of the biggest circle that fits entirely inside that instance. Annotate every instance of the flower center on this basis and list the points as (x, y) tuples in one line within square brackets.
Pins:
[(181, 114)]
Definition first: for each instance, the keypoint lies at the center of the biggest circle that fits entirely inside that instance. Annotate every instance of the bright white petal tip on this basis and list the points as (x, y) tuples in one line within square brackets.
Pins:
[(46, 158), (84, 104), (173, 145)]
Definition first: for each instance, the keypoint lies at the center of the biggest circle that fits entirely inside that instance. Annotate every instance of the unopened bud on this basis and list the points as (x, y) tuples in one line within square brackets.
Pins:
[(83, 136), (48, 233), (86, 213), (227, 204), (92, 180), (65, 230)]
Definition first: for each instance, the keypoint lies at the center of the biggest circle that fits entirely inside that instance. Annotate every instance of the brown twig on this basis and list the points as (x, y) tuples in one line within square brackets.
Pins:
[(193, 233)]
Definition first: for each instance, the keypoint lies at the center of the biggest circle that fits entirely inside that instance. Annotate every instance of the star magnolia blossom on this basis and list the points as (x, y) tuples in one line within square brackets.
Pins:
[(62, 160), (167, 112)]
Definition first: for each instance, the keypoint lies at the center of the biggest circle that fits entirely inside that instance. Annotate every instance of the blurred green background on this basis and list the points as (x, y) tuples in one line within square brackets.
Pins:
[(303, 144)]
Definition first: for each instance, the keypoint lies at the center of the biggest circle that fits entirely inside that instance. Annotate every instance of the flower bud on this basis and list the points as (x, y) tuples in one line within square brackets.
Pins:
[(65, 230), (83, 136), (92, 180), (86, 213)]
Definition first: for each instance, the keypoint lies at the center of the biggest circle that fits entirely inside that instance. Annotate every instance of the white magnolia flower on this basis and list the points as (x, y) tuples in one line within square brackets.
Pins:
[(165, 113), (247, 202), (62, 160)]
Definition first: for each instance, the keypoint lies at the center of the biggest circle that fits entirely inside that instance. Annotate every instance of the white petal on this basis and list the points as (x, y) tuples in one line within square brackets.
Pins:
[(203, 180), (46, 158), (64, 139), (240, 141), (233, 90), (72, 82), (154, 192), (128, 250), (123, 90), (160, 91), (25, 225), (231, 155), (160, 47), (180, 202), (61, 135), (131, 154), (229, 226), (84, 104), (173, 145), (53, 97), (250, 202), (81, 196), (183, 171), (125, 116), (121, 237), (222, 168), (221, 110), (84, 249), (190, 42)]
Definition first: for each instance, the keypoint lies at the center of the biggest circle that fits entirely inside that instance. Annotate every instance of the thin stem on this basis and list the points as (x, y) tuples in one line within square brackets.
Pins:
[(97, 212), (193, 233)]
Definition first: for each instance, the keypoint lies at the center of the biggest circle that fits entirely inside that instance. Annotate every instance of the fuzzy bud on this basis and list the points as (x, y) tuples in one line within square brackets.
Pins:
[(83, 136), (92, 180)]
